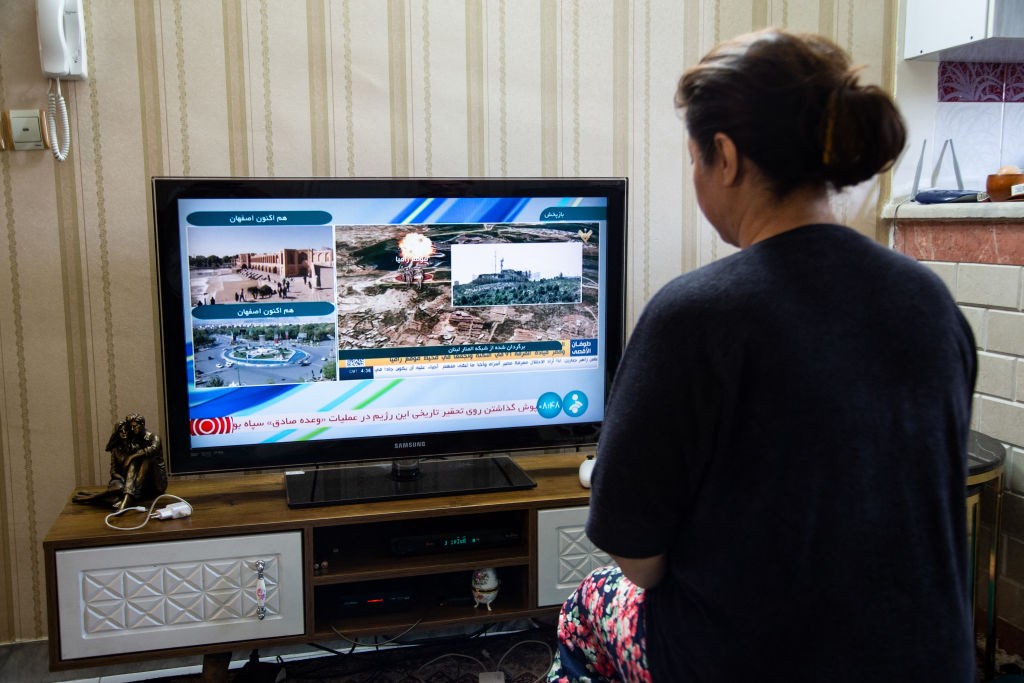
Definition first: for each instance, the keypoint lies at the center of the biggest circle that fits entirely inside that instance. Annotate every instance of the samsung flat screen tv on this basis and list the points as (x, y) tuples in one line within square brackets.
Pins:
[(419, 327)]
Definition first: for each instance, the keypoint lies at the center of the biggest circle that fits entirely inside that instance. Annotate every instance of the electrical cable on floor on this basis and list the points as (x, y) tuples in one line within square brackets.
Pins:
[(338, 653), (483, 667), (551, 657), (375, 644), (481, 632), (402, 657), (459, 638)]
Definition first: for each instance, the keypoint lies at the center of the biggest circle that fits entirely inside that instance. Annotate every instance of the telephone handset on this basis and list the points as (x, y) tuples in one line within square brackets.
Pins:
[(61, 28)]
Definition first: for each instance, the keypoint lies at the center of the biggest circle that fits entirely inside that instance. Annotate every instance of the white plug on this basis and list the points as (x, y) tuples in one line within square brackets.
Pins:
[(173, 511)]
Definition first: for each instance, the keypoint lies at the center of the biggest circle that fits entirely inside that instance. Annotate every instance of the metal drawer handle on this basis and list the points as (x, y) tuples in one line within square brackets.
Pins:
[(261, 590)]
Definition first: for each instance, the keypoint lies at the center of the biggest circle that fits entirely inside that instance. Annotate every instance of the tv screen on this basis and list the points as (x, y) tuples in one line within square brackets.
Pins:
[(308, 322)]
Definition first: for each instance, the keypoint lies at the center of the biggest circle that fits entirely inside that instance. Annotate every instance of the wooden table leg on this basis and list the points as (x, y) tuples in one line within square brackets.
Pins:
[(215, 667)]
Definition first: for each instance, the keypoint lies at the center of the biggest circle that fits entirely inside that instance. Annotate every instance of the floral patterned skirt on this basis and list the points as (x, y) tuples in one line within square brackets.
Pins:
[(601, 632)]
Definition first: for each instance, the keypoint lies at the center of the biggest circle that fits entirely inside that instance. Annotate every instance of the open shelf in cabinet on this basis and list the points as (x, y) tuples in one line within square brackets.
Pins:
[(394, 605), (433, 545)]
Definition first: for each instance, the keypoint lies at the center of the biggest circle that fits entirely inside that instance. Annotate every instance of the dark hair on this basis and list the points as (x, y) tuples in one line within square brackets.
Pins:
[(792, 105)]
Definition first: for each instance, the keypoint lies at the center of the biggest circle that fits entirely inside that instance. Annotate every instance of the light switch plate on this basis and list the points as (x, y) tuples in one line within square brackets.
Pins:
[(25, 129)]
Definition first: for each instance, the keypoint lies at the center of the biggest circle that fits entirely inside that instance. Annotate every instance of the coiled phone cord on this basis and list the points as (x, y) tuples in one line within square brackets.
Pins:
[(57, 107)]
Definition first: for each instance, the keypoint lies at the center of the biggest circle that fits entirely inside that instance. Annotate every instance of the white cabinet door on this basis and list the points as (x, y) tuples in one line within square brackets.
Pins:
[(564, 553), (964, 30), (150, 596), (933, 25)]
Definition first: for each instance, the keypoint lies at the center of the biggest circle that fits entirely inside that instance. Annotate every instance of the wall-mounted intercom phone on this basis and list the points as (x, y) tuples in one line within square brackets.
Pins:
[(61, 28)]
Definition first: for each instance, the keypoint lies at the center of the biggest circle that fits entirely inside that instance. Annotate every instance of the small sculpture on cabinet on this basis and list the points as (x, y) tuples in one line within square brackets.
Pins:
[(137, 468), (485, 587)]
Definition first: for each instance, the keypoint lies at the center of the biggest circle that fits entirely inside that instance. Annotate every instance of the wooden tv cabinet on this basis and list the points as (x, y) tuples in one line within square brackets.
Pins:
[(187, 586)]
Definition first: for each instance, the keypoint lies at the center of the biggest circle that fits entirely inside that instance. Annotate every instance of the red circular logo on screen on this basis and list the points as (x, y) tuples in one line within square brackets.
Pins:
[(206, 426)]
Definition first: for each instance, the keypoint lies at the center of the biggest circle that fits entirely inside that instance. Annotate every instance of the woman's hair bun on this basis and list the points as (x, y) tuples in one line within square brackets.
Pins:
[(792, 104), (867, 134)]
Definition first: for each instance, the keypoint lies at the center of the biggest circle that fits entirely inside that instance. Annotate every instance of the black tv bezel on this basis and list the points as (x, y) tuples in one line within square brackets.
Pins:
[(182, 459)]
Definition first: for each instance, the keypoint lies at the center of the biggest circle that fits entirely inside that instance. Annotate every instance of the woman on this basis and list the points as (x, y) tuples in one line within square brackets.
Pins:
[(781, 473)]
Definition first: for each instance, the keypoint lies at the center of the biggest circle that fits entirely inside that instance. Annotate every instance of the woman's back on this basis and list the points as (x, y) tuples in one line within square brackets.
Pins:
[(803, 460)]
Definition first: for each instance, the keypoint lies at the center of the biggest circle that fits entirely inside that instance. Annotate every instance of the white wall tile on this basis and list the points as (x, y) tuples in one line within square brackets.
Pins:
[(975, 130), (976, 319), (996, 375), (1004, 332), (945, 270), (1013, 134), (1019, 382), (1001, 419), (988, 285)]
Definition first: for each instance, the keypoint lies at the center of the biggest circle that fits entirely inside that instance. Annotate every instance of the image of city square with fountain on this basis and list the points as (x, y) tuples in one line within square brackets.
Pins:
[(262, 352), (441, 285), (257, 295)]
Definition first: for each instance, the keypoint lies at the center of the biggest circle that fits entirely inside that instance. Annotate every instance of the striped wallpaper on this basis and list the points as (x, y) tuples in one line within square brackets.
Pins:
[(325, 88)]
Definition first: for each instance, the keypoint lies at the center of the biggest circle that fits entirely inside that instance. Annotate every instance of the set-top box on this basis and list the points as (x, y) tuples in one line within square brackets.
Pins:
[(444, 542)]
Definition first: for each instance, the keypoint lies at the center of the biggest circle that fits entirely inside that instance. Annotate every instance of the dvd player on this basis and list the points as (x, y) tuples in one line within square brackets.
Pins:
[(445, 542), (357, 604)]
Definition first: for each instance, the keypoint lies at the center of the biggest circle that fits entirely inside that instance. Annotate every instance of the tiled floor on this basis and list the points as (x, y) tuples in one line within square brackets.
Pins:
[(25, 662), (29, 663)]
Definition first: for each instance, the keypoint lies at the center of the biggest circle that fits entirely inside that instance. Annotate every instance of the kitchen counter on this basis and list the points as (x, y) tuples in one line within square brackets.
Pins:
[(969, 211)]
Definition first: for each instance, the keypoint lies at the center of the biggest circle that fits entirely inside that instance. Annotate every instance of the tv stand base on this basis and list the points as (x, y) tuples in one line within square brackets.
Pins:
[(379, 482)]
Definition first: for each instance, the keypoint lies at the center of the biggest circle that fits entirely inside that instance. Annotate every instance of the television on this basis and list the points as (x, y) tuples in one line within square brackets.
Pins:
[(386, 337)]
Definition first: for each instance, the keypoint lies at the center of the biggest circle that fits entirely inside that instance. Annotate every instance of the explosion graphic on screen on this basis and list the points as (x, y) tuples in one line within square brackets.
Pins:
[(414, 252), (415, 247)]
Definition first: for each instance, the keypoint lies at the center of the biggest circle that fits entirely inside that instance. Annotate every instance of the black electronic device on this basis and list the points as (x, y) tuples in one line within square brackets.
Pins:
[(334, 321), (379, 602), (454, 541)]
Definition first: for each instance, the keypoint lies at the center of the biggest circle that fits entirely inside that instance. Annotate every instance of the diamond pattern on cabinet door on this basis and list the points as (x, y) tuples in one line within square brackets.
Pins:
[(224, 574), (103, 585), (184, 593), (577, 556), (184, 579), (144, 613), (222, 605), (144, 582), (564, 553), (135, 598), (185, 609), (107, 615)]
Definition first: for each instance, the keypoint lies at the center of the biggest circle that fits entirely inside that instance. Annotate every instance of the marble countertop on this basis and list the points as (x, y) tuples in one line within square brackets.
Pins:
[(1002, 211)]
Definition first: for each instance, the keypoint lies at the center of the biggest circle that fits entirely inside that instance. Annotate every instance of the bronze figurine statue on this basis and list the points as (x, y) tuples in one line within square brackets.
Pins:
[(137, 468)]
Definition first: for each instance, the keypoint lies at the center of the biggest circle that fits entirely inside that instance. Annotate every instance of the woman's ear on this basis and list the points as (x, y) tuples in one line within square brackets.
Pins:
[(727, 162)]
